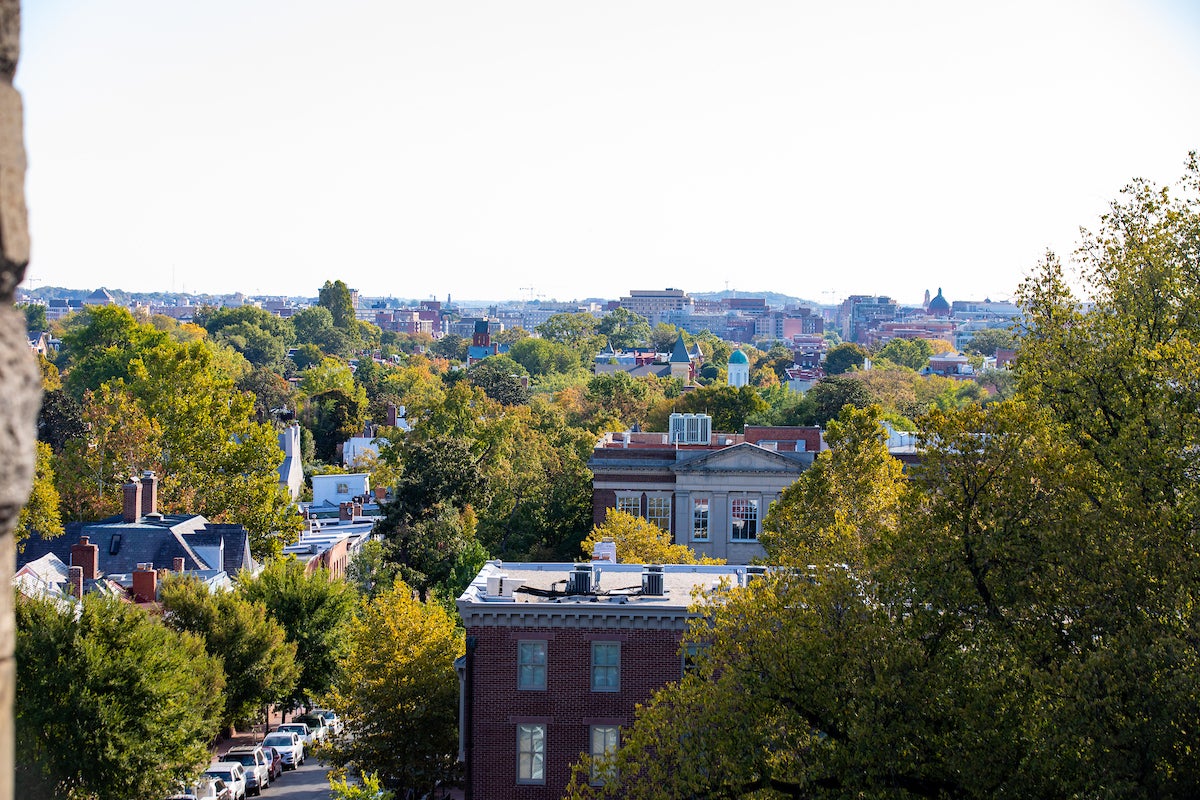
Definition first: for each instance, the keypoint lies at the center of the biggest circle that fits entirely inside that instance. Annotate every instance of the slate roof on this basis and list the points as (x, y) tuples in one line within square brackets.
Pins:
[(157, 539), (679, 355)]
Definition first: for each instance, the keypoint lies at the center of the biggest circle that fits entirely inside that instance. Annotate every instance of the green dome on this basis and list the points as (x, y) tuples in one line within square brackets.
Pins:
[(738, 357)]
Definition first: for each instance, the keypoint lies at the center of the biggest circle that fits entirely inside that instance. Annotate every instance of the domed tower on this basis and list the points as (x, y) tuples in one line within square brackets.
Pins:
[(939, 306), (738, 369)]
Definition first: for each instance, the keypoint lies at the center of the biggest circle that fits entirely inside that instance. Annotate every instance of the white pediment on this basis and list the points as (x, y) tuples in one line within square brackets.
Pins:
[(741, 458)]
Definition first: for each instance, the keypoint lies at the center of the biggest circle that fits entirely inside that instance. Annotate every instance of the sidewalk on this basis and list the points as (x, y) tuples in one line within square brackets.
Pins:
[(248, 737)]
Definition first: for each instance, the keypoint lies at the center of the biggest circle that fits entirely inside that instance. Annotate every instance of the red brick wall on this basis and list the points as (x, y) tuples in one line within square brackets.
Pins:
[(649, 659)]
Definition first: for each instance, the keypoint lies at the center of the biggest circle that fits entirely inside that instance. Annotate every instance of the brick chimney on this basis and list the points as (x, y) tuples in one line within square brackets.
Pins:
[(149, 493), (86, 556), (391, 415), (345, 511), (132, 507), (145, 583), (75, 582), (177, 564)]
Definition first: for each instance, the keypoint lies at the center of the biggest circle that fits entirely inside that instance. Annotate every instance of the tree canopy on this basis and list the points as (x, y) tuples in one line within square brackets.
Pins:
[(1014, 618)]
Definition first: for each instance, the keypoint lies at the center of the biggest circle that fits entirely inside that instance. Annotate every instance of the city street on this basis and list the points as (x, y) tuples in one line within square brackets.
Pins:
[(309, 782)]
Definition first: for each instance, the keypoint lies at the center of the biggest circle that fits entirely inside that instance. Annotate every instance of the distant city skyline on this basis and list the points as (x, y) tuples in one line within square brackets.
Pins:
[(568, 150)]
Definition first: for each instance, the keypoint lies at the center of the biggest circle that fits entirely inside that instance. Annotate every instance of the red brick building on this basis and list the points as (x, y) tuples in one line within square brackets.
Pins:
[(558, 657)]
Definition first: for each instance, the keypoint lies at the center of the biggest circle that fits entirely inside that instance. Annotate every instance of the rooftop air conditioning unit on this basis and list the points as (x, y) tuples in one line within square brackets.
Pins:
[(500, 586), (652, 580), (580, 580), (689, 428)]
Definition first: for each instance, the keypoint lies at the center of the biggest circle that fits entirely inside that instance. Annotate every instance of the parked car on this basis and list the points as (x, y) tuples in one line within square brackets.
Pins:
[(317, 729), (254, 762), (232, 773), (276, 760), (301, 730), (290, 748), (331, 719), (205, 788)]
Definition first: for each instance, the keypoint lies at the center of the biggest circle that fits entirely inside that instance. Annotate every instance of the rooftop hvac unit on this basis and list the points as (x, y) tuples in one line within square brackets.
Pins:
[(580, 580), (754, 572), (652, 580), (500, 586), (689, 428)]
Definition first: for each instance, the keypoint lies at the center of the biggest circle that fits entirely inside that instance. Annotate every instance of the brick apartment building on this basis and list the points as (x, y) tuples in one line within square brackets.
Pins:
[(558, 658)]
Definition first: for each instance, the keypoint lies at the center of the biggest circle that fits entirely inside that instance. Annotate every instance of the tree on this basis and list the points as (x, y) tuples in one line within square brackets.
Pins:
[(640, 541), (500, 379), (576, 331), (35, 316), (314, 609), (828, 396), (99, 345), (989, 340), (398, 693), (1015, 618), (336, 297), (109, 703), (664, 336), (843, 358), (625, 329), (315, 326), (911, 353), (627, 398), (259, 663), (40, 514), (542, 357), (729, 407), (452, 347), (370, 570)]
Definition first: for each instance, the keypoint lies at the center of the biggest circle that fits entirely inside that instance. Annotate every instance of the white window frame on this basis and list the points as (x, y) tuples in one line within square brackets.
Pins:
[(630, 499), (697, 536), (531, 753), (531, 665), (605, 676), (603, 741), (654, 503), (755, 502)]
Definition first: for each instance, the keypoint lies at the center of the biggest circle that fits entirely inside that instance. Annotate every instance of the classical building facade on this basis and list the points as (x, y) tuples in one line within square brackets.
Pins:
[(710, 490)]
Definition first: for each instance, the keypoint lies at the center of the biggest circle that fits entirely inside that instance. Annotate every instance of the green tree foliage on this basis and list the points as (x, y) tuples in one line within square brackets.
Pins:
[(258, 662), (35, 317), (500, 379), (269, 391), (911, 353), (99, 344), (109, 703), (1016, 619), (60, 419), (40, 514), (259, 335), (335, 296), (828, 396), (576, 331), (640, 541), (627, 399), (370, 570), (663, 337), (624, 329), (452, 347), (367, 788), (729, 407), (398, 693), (314, 610), (843, 358), (543, 357), (989, 340), (315, 326)]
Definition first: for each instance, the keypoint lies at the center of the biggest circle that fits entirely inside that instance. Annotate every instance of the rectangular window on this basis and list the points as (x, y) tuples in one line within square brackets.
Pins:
[(699, 519), (630, 504), (604, 742), (343, 488), (531, 664), (658, 511), (606, 666), (743, 519), (692, 653), (531, 753)]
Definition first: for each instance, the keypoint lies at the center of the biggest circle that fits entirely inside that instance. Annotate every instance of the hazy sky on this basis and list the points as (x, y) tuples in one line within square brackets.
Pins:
[(567, 149)]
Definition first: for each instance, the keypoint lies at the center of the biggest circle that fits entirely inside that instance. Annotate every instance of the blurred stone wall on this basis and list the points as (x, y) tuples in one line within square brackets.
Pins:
[(20, 382)]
